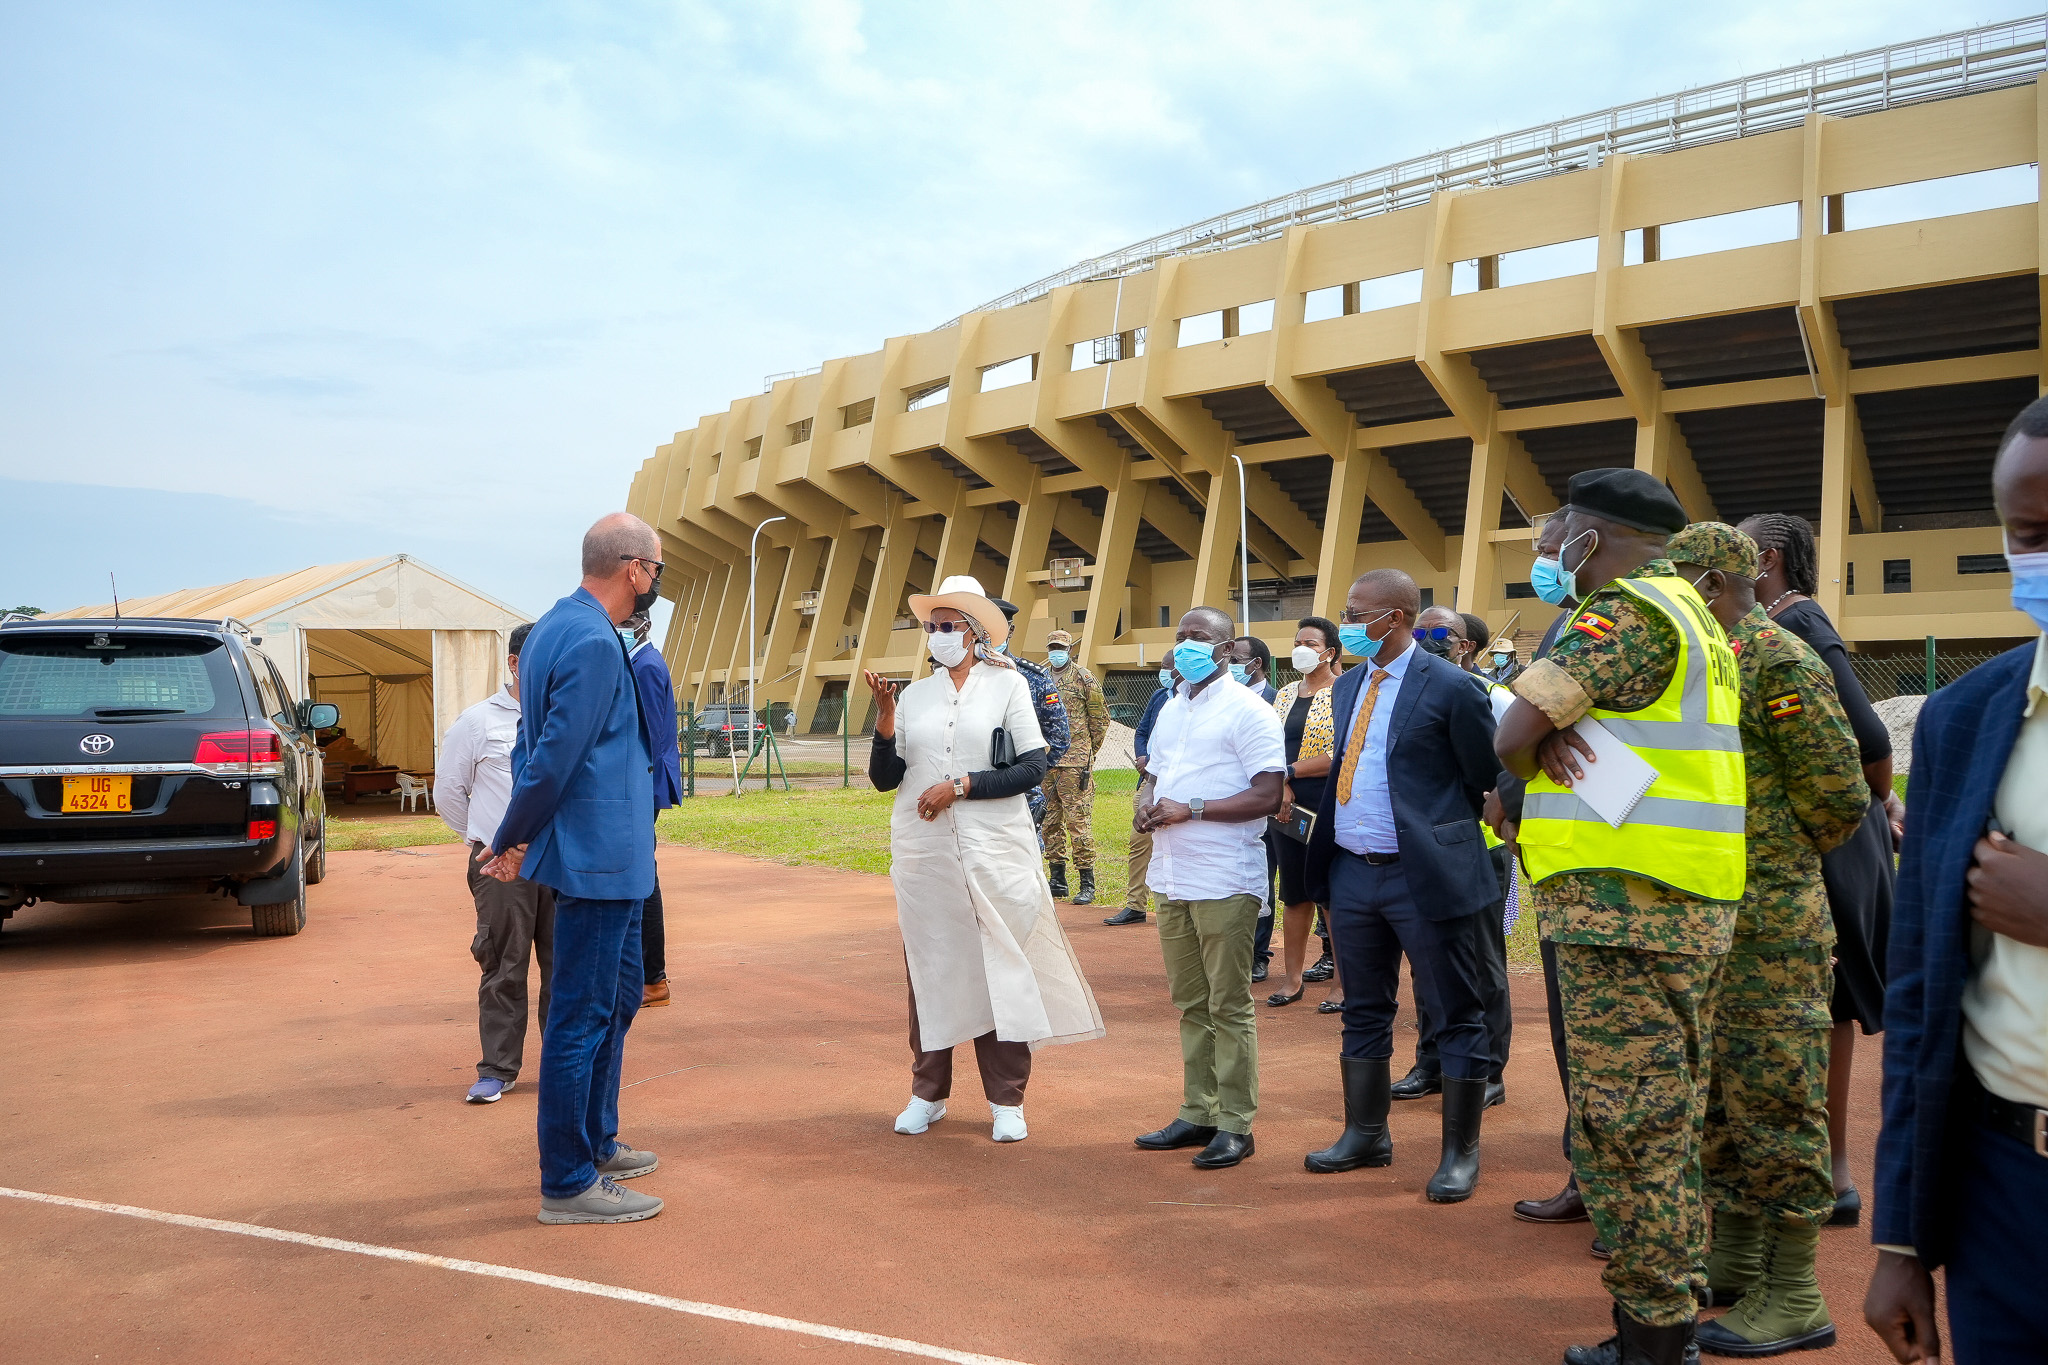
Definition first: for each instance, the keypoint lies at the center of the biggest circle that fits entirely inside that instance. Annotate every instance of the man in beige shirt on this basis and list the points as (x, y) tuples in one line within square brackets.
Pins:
[(1962, 1159)]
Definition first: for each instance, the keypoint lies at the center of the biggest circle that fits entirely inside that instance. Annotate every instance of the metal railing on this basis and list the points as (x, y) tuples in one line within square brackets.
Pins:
[(1963, 63)]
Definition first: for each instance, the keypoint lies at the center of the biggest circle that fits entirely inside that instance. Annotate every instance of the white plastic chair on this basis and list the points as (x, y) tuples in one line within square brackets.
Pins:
[(411, 789)]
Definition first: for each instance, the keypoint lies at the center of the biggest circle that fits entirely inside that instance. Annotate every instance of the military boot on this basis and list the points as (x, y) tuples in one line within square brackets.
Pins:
[(1737, 1259), (1058, 878), (1638, 1343), (1364, 1141), (1086, 895), (1783, 1310)]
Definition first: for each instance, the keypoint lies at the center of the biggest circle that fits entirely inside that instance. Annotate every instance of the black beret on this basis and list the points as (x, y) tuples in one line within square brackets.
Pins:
[(1008, 609), (1627, 497)]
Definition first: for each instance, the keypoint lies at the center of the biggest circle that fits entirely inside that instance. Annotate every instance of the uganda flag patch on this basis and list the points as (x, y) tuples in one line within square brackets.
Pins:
[(1784, 706), (1594, 624), (1053, 699)]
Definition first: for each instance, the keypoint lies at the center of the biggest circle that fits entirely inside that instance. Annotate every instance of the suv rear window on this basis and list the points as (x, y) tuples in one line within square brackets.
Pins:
[(131, 674)]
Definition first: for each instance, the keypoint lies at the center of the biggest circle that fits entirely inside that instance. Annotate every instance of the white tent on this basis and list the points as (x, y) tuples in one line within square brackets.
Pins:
[(400, 647)]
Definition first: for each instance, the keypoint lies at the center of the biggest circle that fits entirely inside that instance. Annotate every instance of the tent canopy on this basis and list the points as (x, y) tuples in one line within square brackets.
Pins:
[(399, 646)]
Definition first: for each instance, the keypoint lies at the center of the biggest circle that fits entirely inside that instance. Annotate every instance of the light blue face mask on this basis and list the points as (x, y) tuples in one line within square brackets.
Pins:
[(1195, 660), (2030, 584), (627, 636), (1240, 674), (1166, 678), (1057, 657), (1358, 639), (1552, 581)]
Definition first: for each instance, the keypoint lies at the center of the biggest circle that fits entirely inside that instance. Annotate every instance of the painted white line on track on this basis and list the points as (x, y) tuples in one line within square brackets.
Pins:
[(743, 1316)]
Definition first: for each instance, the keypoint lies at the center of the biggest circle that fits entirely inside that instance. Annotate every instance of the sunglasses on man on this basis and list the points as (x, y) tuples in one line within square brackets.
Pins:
[(655, 566), (1434, 633)]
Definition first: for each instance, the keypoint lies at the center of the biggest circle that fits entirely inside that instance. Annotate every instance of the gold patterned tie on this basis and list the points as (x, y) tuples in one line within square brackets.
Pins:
[(1356, 745)]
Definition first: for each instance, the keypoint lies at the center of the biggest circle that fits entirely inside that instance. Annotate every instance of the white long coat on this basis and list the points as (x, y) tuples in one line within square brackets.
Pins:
[(985, 949)]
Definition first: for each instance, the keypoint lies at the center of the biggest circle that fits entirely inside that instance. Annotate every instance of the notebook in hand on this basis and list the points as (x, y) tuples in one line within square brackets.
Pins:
[(1617, 778)]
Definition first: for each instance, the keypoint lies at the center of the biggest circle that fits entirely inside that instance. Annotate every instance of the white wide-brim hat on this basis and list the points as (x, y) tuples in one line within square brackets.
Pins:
[(962, 592)]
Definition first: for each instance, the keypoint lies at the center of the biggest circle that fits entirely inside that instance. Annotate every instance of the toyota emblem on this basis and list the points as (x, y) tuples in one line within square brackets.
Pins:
[(96, 744)]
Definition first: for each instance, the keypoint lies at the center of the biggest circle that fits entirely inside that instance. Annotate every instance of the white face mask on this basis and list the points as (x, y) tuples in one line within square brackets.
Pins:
[(948, 648), (1306, 658)]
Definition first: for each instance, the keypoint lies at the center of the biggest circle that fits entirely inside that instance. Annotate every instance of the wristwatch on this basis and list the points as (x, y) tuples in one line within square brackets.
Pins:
[(1195, 808), (959, 787)]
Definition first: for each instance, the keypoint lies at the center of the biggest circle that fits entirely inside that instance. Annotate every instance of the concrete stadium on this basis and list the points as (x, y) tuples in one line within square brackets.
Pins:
[(1404, 368)]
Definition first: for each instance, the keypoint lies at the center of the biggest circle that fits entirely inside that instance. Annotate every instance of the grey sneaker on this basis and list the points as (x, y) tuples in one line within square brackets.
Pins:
[(625, 1163), (604, 1202)]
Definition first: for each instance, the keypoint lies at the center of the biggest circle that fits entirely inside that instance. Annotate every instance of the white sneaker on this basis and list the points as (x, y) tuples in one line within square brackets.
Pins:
[(1009, 1126), (919, 1115)]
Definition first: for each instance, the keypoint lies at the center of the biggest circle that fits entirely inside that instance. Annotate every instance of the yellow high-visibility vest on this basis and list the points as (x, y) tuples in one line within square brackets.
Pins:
[(1687, 830)]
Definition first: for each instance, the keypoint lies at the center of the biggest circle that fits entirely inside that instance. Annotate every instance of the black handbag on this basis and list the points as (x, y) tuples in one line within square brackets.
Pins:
[(1000, 752)]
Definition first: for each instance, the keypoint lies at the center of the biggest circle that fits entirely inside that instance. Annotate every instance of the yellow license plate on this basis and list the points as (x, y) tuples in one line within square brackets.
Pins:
[(96, 795)]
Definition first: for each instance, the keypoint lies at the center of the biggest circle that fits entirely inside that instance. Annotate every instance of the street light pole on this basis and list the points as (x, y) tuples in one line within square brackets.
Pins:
[(753, 644), (1244, 549)]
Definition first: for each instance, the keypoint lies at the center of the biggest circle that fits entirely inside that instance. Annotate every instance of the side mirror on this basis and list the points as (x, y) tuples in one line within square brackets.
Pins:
[(319, 715)]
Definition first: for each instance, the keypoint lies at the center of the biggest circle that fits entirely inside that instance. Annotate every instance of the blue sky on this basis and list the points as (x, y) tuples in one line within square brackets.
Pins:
[(289, 283)]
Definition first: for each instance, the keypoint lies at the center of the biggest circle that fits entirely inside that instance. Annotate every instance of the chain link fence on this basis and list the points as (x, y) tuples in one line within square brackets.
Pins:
[(1906, 675)]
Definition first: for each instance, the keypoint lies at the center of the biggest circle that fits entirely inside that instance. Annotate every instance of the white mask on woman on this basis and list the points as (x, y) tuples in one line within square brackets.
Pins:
[(1307, 658), (948, 647)]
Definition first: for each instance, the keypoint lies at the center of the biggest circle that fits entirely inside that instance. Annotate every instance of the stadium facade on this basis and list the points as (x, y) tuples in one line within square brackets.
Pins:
[(1404, 368)]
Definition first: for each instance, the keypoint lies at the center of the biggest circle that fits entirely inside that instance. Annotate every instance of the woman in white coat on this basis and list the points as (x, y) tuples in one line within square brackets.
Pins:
[(987, 959)]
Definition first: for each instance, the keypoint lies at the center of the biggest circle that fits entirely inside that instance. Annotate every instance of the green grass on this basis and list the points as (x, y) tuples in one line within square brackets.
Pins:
[(348, 836)]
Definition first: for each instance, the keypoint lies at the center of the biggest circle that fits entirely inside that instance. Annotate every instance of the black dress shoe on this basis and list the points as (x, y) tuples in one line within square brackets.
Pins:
[(1322, 971), (1329, 1006), (1259, 971), (1418, 1082), (1496, 1093), (1601, 1251), (1225, 1149), (1128, 915), (1566, 1206), (1179, 1133), (1848, 1209)]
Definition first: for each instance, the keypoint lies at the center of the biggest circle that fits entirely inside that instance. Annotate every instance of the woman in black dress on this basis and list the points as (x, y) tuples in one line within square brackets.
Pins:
[(1304, 708), (1859, 873)]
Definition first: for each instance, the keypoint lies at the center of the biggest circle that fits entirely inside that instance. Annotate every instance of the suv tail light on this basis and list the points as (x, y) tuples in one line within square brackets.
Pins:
[(239, 753), (263, 829)]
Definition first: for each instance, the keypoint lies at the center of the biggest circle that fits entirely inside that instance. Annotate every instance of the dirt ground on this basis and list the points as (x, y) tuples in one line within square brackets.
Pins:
[(157, 1055)]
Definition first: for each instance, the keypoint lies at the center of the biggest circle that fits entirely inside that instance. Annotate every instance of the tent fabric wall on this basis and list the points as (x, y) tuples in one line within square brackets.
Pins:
[(405, 723), (469, 666)]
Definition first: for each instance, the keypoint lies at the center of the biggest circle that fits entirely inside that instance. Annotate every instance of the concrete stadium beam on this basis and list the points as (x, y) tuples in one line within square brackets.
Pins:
[(963, 531), (1351, 477), (778, 611), (1106, 590), (885, 590), (1170, 517), (1028, 546), (1662, 452), (835, 597)]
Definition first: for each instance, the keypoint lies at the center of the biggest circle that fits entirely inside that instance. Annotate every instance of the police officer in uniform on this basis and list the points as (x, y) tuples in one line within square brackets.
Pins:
[(1768, 1177), (1642, 914), (1070, 795), (1045, 700)]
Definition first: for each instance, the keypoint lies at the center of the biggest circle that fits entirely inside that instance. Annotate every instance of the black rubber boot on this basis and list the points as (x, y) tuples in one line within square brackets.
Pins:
[(1058, 877), (1638, 1343), (1086, 895), (1458, 1171), (1364, 1141)]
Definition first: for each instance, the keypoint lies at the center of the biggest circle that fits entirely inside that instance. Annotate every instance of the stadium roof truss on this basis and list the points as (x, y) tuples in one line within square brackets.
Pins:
[(1847, 367)]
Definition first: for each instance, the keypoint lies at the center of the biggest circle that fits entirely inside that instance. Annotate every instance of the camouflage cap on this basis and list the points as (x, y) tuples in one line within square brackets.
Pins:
[(1714, 545), (1059, 637)]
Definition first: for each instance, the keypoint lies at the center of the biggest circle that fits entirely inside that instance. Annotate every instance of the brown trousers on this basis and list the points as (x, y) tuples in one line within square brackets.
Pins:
[(1005, 1067)]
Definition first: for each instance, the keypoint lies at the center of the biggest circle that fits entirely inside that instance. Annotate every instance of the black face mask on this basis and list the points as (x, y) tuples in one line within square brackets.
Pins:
[(1441, 648), (644, 601)]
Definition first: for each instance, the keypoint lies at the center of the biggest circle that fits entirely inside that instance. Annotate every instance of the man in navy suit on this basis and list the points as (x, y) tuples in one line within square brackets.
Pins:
[(581, 822), (1962, 1159), (658, 713), (1397, 857)]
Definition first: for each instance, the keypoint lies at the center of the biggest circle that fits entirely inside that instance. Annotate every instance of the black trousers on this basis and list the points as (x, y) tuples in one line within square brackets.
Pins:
[(1490, 945), (1373, 921), (1262, 937), (653, 936), (1995, 1308)]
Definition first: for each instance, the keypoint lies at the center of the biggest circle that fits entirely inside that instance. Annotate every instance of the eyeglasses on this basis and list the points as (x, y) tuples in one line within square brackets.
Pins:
[(1436, 633), (1352, 618), (944, 627)]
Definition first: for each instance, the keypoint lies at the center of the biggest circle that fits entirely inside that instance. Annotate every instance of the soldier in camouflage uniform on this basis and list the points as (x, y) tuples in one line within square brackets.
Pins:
[(1069, 790), (1768, 1179), (1638, 962), (1052, 714)]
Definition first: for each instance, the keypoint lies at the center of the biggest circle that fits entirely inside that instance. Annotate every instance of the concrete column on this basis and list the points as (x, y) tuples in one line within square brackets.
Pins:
[(1350, 472), (1216, 567), (1841, 443), (848, 549), (892, 570), (1106, 594), (1478, 569)]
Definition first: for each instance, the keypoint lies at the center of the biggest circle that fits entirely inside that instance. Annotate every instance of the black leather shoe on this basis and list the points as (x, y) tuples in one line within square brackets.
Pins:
[(1364, 1141), (1419, 1081), (1600, 1250), (1566, 1206), (1179, 1133), (1329, 1006), (1848, 1209), (1225, 1149), (1086, 895), (1056, 875), (1260, 971), (1496, 1093), (1458, 1170), (1128, 915), (1322, 971)]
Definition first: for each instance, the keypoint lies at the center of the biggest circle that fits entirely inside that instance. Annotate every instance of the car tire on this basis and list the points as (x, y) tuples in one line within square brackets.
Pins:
[(281, 920), (316, 866)]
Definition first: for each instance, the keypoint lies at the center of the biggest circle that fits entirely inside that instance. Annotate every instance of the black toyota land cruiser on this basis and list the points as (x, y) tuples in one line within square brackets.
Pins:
[(155, 757)]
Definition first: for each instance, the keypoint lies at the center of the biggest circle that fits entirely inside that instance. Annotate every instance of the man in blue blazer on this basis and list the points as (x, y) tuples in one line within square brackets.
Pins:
[(1962, 1159), (581, 822), (1397, 857)]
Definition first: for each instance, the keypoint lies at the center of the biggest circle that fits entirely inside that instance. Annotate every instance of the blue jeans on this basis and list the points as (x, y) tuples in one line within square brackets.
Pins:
[(1996, 1312), (595, 994), (1373, 921)]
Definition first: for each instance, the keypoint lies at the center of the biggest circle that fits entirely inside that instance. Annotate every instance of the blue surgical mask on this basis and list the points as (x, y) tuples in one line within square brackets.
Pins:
[(627, 636), (1056, 657), (1240, 674), (1358, 639), (2030, 584), (1166, 678), (1195, 660), (1552, 581)]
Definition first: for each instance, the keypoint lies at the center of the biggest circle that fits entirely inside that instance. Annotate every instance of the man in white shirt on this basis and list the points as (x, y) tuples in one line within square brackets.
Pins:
[(515, 920), (1214, 775)]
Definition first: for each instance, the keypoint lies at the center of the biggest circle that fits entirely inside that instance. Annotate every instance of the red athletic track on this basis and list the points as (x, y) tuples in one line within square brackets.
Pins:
[(160, 1056)]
